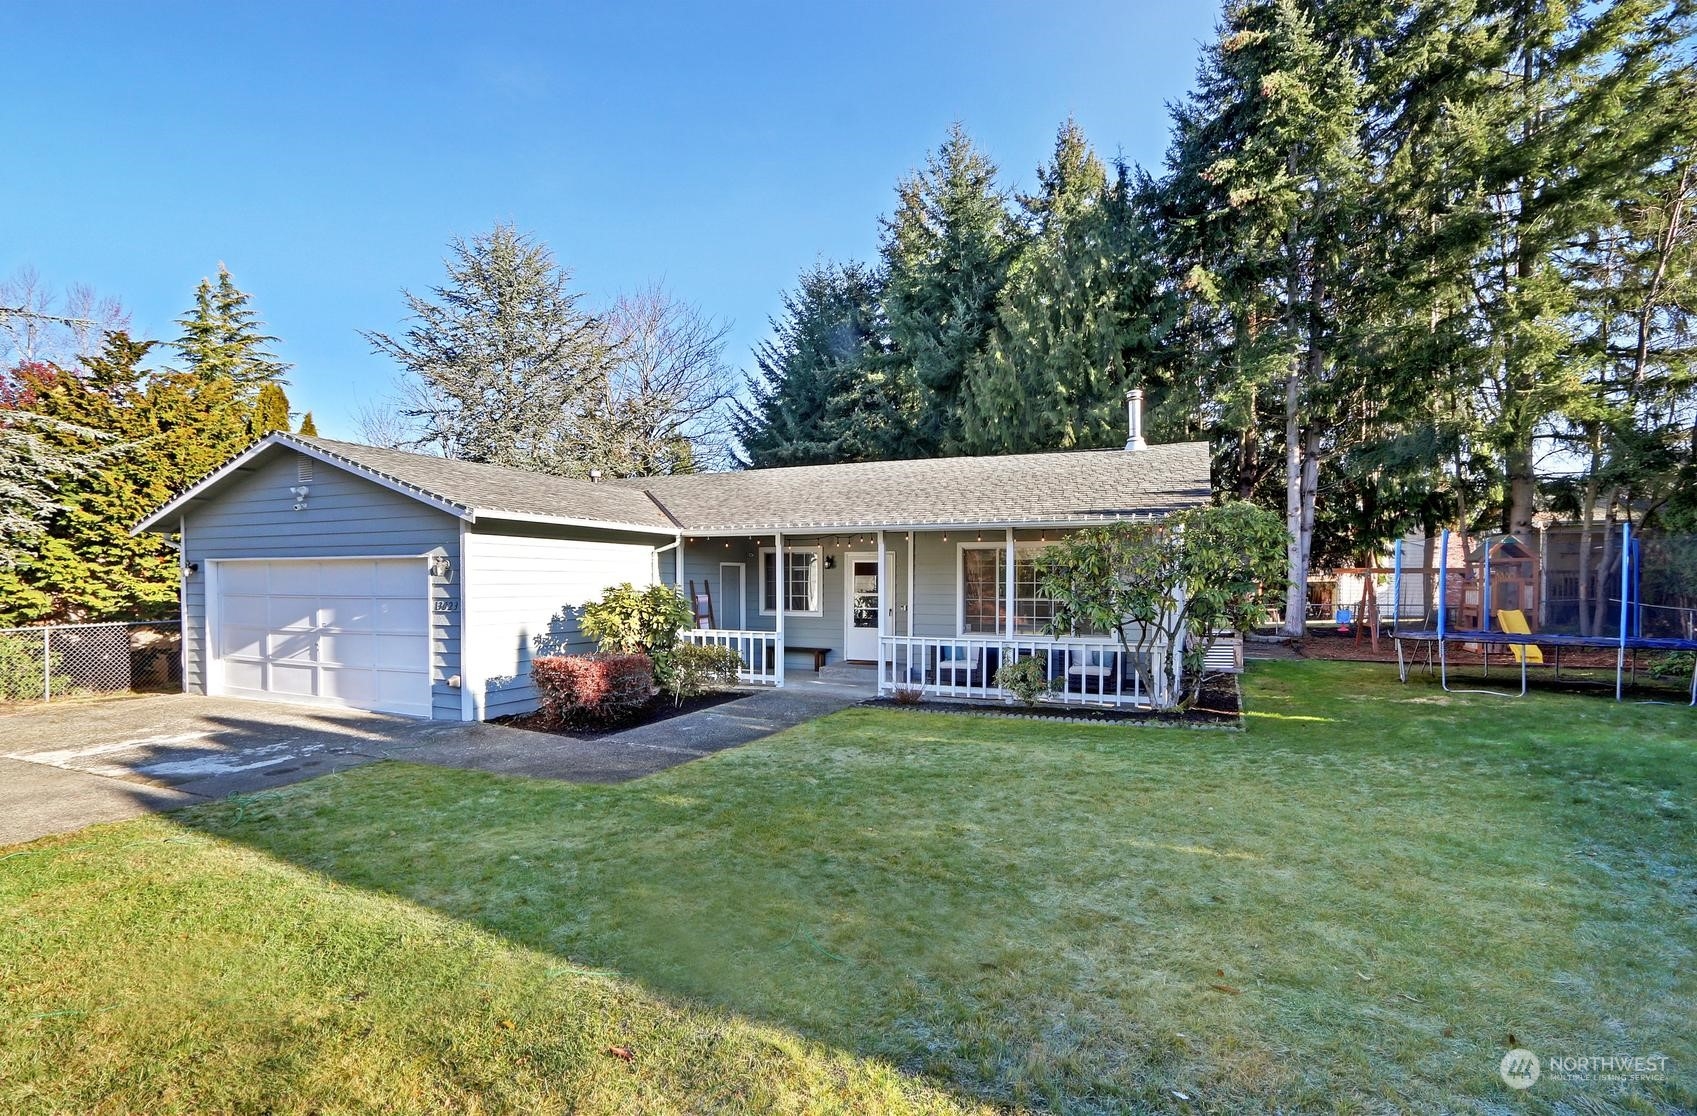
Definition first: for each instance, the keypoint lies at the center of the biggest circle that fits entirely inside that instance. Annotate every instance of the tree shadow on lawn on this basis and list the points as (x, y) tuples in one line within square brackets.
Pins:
[(1089, 916)]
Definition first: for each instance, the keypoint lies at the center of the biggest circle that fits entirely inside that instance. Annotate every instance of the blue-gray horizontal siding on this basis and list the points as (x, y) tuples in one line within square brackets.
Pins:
[(524, 586), (346, 516), (704, 556)]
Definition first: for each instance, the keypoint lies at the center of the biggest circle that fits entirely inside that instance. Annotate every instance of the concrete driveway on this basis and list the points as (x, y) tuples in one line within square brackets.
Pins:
[(64, 766)]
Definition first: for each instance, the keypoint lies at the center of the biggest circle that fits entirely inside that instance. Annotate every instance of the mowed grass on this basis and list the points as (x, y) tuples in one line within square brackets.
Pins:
[(1357, 905)]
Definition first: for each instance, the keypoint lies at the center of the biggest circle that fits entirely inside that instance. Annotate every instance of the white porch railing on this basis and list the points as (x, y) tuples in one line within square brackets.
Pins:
[(1083, 671), (760, 652)]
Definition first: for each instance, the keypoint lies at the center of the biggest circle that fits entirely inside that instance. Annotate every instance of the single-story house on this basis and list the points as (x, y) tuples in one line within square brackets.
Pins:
[(346, 575)]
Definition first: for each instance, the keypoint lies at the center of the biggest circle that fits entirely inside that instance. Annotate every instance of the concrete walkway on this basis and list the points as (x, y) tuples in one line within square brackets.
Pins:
[(64, 766)]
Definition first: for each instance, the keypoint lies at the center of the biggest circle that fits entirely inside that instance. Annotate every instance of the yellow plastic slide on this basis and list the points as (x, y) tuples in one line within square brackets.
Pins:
[(1513, 622)]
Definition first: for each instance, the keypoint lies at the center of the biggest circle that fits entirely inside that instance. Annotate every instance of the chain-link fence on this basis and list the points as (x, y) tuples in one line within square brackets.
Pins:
[(57, 661)]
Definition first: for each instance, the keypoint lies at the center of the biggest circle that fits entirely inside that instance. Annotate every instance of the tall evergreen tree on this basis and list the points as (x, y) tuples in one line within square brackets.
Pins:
[(308, 428), (1265, 180), (1076, 318), (824, 389), (507, 366), (222, 337), (946, 251)]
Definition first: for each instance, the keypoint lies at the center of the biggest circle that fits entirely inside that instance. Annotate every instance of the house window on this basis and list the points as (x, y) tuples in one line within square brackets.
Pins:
[(984, 590), (801, 591)]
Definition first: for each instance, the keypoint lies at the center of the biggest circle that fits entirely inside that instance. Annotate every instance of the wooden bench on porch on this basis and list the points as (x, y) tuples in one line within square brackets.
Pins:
[(818, 654)]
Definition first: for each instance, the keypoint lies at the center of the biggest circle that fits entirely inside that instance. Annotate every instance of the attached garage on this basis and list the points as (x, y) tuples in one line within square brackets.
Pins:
[(351, 632), (355, 577)]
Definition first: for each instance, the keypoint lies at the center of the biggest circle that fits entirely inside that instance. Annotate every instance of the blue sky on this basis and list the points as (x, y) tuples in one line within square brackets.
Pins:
[(327, 152)]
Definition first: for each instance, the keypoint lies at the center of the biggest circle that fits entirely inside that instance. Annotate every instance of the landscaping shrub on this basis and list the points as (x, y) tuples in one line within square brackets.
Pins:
[(690, 671), (907, 695), (1025, 680), (592, 689), (1675, 664), (627, 619)]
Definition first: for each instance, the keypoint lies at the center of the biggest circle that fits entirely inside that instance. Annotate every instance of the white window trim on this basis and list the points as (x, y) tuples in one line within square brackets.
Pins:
[(1019, 547), (817, 589)]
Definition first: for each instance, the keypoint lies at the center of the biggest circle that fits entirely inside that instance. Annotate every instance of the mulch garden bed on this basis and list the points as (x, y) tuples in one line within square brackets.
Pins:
[(660, 709), (1220, 706)]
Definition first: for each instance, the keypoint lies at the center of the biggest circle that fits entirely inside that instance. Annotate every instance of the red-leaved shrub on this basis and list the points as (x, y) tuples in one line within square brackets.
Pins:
[(599, 689)]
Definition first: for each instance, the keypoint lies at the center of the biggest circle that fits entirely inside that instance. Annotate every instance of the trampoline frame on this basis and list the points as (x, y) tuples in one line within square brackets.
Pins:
[(1625, 646)]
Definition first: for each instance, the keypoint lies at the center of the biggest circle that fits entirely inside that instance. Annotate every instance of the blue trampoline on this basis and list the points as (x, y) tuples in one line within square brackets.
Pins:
[(1626, 640)]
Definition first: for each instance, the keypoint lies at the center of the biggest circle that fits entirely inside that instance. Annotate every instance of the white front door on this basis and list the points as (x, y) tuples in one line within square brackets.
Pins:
[(349, 632), (860, 620)]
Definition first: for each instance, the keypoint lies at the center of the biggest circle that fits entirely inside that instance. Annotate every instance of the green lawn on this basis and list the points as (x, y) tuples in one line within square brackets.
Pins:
[(1350, 907)]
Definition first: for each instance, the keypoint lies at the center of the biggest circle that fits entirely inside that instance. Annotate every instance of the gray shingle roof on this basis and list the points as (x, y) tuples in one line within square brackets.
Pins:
[(499, 489), (1034, 488), (1071, 487)]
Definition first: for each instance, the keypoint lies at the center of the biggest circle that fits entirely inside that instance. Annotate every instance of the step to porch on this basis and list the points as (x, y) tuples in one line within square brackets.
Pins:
[(849, 674)]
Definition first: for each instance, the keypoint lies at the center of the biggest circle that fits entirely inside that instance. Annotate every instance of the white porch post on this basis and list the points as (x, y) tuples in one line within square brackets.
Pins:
[(883, 599), (910, 535), (1010, 586), (781, 597)]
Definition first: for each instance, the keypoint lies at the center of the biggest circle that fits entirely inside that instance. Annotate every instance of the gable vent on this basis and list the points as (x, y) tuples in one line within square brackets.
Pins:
[(303, 470)]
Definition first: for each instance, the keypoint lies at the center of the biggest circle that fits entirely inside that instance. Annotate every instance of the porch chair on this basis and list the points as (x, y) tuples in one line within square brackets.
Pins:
[(959, 665), (1083, 665)]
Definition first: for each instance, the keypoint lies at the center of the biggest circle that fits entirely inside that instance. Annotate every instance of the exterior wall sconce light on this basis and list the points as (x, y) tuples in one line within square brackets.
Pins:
[(299, 492), (441, 568)]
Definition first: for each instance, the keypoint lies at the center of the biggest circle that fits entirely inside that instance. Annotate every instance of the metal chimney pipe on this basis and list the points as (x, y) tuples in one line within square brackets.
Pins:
[(1134, 420)]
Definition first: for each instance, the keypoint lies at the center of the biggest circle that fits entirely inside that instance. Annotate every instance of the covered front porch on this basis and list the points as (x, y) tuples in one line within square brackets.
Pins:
[(938, 611)]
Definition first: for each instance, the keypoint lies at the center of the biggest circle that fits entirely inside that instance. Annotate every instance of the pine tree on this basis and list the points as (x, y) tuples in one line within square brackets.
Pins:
[(1265, 180), (221, 337), (270, 411), (946, 254), (308, 428), (1075, 319), (506, 366), (822, 390)]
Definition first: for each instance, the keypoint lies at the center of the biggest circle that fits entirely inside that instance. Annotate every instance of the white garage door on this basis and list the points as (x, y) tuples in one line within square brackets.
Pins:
[(346, 631)]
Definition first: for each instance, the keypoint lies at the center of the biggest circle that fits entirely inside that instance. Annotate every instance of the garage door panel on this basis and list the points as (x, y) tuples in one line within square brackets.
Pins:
[(293, 613), (295, 646), (244, 641), (355, 686), (300, 579), (349, 613), (252, 579), (406, 652), (293, 679), (394, 615), (347, 649), (393, 579), (343, 632), (243, 675), (253, 612)]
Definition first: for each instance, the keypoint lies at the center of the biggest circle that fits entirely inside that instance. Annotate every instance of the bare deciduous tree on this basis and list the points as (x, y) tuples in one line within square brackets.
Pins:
[(666, 405), (38, 325)]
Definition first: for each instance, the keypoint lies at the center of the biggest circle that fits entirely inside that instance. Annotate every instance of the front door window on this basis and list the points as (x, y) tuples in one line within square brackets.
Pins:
[(864, 597)]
